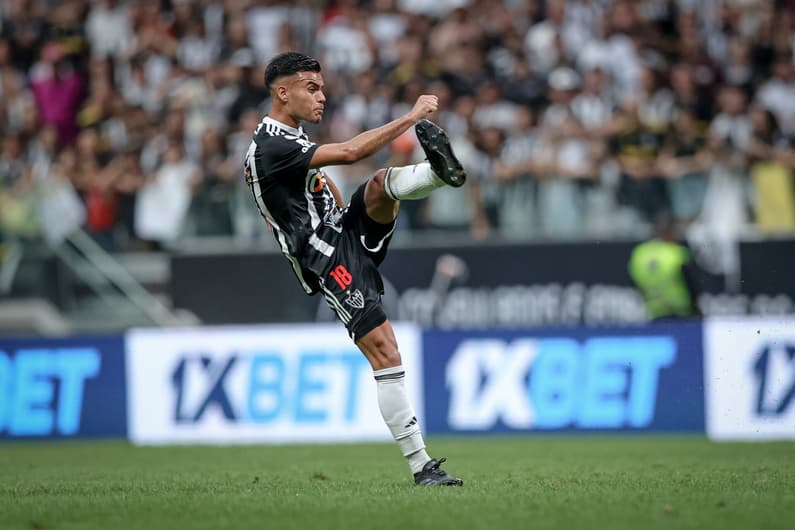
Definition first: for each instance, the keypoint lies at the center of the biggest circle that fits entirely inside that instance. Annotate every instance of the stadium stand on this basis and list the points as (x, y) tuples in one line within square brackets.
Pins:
[(579, 119)]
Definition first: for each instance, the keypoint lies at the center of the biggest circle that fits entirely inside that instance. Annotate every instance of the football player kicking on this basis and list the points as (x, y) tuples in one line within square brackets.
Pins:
[(336, 249)]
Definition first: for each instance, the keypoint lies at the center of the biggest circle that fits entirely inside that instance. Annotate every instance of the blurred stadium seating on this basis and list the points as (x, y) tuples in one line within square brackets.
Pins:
[(577, 121)]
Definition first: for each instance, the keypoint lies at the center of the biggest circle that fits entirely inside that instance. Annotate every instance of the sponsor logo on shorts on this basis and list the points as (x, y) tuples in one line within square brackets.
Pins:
[(355, 299)]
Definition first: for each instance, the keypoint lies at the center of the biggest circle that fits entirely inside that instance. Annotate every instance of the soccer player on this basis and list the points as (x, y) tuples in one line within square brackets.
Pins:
[(334, 249)]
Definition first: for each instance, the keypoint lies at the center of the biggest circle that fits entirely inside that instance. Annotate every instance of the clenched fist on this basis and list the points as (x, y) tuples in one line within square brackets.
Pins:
[(425, 105)]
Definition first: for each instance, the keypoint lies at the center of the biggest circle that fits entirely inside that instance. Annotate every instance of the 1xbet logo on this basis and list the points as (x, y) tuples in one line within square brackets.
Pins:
[(774, 369), (608, 382), (266, 387), (41, 390)]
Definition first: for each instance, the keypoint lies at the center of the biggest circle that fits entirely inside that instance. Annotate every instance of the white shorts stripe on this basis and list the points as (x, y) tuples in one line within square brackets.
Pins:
[(380, 243), (331, 301), (336, 305)]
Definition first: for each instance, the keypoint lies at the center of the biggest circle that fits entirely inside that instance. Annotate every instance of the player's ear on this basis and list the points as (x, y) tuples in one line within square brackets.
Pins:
[(281, 93)]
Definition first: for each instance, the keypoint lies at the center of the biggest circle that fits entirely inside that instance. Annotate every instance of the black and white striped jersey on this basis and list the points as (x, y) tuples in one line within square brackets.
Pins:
[(294, 199)]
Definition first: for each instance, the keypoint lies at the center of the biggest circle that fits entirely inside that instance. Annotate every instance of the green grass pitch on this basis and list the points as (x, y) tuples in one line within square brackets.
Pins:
[(512, 482)]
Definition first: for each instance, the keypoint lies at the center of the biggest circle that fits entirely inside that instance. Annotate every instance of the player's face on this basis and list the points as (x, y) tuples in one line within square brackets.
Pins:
[(306, 99)]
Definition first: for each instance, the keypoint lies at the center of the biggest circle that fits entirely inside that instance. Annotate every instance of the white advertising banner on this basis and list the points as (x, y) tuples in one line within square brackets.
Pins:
[(749, 378), (258, 384)]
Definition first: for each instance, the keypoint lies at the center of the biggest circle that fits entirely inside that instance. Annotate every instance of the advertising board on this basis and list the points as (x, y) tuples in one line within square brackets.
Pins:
[(62, 388), (273, 384), (620, 379), (749, 373)]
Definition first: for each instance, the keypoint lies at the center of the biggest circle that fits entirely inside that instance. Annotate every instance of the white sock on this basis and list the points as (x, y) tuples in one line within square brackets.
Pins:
[(399, 415), (411, 182)]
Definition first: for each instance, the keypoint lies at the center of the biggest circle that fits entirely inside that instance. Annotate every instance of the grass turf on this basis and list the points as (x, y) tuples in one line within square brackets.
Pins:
[(512, 482)]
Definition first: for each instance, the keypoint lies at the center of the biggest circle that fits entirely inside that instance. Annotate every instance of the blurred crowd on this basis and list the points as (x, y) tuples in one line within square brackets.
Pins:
[(574, 119)]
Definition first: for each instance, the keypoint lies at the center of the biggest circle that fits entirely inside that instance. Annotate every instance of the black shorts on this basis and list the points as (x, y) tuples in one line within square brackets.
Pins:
[(349, 278)]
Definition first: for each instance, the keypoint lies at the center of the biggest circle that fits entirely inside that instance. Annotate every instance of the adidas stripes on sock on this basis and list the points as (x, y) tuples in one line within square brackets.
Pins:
[(399, 415)]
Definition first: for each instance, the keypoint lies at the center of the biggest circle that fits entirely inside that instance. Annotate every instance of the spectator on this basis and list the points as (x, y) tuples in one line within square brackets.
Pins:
[(26, 26), (457, 29), (108, 29), (345, 43), (492, 110), (778, 93), (521, 85), (684, 161), (637, 147), (594, 107), (212, 201), (730, 132), (686, 93), (738, 69), (17, 214), (725, 213), (250, 85), (58, 88), (771, 155), (560, 200), (13, 174), (235, 38), (95, 180), (60, 209), (523, 156), (14, 99), (622, 49), (386, 24), (163, 201), (545, 42), (196, 51), (264, 21)]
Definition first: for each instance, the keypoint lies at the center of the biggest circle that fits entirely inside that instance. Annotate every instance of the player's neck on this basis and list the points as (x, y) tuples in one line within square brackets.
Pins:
[(283, 117)]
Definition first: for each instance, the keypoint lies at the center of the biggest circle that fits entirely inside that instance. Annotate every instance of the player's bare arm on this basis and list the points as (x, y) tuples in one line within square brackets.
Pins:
[(334, 191), (368, 142)]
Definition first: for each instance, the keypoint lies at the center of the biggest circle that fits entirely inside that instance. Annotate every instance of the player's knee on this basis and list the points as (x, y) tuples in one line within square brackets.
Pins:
[(380, 207), (379, 176), (375, 188), (386, 353), (390, 358)]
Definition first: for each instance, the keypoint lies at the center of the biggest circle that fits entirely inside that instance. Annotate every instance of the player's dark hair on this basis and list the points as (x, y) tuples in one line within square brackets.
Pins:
[(289, 63)]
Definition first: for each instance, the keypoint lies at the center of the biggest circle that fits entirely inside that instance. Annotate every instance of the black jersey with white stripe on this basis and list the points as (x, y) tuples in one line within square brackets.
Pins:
[(294, 199)]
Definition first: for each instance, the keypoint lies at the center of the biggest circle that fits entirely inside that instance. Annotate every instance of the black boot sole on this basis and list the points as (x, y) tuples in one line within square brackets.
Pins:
[(436, 144)]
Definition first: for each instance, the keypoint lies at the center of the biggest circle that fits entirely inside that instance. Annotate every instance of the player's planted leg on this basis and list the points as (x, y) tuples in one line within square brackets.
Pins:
[(380, 348)]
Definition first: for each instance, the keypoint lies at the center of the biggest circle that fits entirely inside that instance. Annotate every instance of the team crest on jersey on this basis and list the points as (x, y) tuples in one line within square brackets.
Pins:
[(355, 299)]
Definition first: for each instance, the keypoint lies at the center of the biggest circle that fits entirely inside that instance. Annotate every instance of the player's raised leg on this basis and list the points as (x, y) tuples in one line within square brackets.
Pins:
[(381, 349), (419, 180)]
